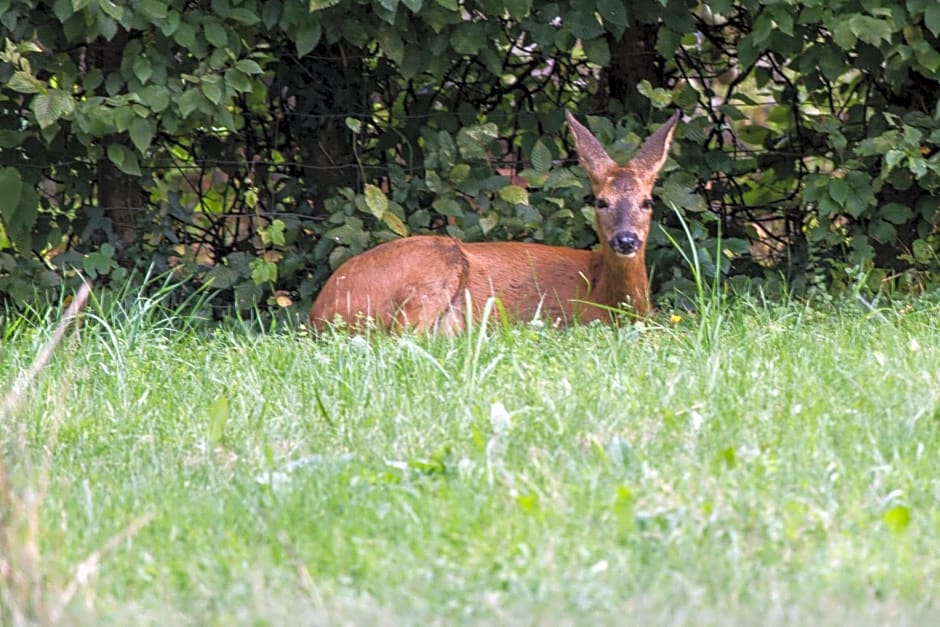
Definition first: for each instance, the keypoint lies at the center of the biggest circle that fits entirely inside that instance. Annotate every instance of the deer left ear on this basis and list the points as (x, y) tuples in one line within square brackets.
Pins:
[(655, 150), (592, 156)]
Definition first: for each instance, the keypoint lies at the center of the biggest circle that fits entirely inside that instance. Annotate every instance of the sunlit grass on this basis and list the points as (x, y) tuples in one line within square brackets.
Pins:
[(762, 464)]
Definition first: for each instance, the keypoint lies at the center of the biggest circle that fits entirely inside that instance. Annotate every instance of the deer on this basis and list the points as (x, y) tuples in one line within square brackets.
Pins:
[(435, 283)]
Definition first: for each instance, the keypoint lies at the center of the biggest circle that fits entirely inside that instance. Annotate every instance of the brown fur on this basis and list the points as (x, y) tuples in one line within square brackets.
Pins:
[(424, 281)]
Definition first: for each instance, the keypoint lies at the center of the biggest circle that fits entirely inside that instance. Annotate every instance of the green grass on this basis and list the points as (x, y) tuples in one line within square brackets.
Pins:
[(770, 464)]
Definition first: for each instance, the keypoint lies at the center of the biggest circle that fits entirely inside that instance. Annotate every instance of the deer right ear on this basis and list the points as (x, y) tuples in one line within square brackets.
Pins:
[(594, 159), (653, 153)]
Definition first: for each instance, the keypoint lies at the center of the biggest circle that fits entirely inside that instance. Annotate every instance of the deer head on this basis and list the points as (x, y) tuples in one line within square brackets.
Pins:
[(623, 194)]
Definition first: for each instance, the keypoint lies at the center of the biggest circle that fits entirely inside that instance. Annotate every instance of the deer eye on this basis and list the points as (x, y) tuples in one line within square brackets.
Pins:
[(600, 203), (647, 204)]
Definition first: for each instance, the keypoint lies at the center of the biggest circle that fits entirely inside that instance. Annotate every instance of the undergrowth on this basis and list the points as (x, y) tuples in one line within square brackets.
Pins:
[(746, 462)]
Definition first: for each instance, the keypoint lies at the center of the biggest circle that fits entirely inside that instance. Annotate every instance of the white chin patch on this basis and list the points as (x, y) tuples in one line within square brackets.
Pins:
[(627, 256)]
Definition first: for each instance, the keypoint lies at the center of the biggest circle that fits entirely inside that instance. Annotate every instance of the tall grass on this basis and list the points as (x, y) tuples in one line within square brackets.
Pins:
[(783, 471)]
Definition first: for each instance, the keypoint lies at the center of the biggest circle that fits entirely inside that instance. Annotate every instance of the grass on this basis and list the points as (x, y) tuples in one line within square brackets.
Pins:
[(764, 464)]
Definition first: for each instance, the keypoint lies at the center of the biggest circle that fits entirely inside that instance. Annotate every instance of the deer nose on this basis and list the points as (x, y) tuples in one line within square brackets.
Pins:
[(625, 243)]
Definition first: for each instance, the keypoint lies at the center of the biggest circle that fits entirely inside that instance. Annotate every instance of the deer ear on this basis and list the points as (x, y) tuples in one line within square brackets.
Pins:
[(594, 159), (655, 150)]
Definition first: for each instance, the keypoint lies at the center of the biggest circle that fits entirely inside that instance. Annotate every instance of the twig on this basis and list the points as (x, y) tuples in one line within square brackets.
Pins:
[(13, 398), (88, 567), (24, 583), (309, 585)]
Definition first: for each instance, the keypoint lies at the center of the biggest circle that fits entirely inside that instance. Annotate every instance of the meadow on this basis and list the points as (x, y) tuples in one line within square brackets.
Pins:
[(755, 463)]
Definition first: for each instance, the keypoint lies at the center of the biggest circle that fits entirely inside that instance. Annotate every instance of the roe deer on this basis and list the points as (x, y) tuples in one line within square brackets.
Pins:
[(425, 281)]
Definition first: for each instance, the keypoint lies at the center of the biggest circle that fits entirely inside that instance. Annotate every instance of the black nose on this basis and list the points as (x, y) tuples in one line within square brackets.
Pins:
[(625, 243)]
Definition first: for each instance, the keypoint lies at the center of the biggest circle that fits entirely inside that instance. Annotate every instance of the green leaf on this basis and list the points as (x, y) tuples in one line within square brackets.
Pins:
[(155, 97), (583, 25), (432, 181), (860, 193), (932, 18), (518, 8), (844, 36), (729, 110), (354, 124), (248, 66), (667, 42), (154, 9), (871, 30), (761, 30), (319, 5), (728, 457), (839, 190), (99, 262), (376, 200), (657, 95), (222, 277), (927, 56), (307, 39), (25, 83), (169, 25), (895, 213), (11, 188), (897, 518), (413, 5), (395, 223), (719, 161), (263, 271), (448, 207), (238, 81), (514, 194), (143, 69), (51, 106), (185, 36), (467, 39), (748, 51), (923, 251), (351, 233), (107, 27), (832, 62), (412, 62), (273, 234), (244, 16), (219, 413), (25, 47), (453, 5), (19, 229), (825, 206), (474, 140), (189, 102), (614, 13), (212, 91), (215, 34), (882, 231), (123, 116), (114, 10), (597, 51), (391, 44), (459, 173), (529, 503), (489, 221), (784, 19), (124, 159), (355, 32), (141, 132), (680, 196), (62, 9), (541, 156)]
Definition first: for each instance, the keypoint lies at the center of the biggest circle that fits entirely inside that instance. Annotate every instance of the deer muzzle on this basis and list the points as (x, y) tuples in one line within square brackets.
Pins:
[(625, 243)]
